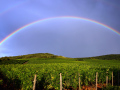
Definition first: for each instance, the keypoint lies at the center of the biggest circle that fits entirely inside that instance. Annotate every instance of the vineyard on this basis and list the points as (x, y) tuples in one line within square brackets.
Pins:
[(21, 76)]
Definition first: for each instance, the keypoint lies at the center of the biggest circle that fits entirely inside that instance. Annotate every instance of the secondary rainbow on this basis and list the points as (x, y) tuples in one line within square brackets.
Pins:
[(70, 17), (12, 7)]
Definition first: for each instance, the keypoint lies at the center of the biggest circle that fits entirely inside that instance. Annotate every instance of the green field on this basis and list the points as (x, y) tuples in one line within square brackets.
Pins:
[(20, 76)]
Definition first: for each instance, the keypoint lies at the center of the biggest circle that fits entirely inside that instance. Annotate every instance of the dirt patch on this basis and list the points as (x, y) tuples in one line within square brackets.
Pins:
[(25, 62), (89, 87)]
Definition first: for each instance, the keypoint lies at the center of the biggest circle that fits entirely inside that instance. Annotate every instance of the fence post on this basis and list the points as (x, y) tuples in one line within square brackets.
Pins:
[(112, 78), (60, 81), (96, 79), (106, 79), (79, 82), (34, 82), (118, 77)]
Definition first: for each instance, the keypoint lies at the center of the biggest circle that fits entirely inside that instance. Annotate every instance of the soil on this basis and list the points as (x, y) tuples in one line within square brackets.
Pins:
[(92, 87), (25, 62)]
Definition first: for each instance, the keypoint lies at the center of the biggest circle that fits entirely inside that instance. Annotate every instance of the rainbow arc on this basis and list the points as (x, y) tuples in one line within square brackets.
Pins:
[(69, 17)]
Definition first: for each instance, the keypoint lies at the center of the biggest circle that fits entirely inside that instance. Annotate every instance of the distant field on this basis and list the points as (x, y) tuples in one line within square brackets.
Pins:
[(72, 60), (51, 60), (69, 60), (20, 76)]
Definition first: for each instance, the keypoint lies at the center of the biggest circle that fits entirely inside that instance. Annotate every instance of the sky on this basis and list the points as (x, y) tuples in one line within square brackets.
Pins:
[(70, 28)]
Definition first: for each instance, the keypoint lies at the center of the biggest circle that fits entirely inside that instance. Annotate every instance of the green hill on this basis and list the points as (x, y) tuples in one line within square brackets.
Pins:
[(36, 55), (108, 57), (48, 55)]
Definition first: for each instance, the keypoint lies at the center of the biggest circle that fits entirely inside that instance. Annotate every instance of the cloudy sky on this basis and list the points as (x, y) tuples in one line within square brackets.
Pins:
[(57, 31)]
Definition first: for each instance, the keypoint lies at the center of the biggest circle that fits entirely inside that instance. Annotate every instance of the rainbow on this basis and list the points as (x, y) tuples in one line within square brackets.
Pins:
[(69, 17), (12, 7)]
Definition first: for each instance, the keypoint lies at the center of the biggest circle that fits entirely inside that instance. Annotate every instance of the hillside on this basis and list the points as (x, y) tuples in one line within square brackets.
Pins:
[(48, 55), (108, 57), (36, 55)]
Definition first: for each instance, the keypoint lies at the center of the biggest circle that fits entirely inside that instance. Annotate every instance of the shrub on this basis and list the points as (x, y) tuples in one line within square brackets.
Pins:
[(4, 59)]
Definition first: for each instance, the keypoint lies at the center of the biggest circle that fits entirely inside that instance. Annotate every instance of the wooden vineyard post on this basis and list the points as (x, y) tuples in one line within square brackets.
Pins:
[(96, 79), (118, 77), (79, 82), (34, 82), (60, 81), (112, 78), (106, 79)]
